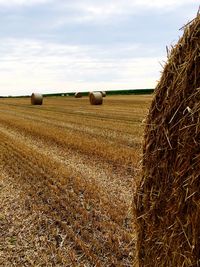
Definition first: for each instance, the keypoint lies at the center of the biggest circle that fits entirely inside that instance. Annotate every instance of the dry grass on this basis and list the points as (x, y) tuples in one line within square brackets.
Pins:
[(168, 196), (68, 169)]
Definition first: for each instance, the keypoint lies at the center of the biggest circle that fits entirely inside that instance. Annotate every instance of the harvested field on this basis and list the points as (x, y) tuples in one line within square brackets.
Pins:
[(67, 169)]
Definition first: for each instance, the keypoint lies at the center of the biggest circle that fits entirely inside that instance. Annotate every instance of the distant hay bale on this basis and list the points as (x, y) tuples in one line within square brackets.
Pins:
[(78, 95), (36, 99), (96, 98), (167, 199), (103, 93)]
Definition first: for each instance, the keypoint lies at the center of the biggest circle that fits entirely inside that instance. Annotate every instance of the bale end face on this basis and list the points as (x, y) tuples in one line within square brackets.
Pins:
[(36, 99)]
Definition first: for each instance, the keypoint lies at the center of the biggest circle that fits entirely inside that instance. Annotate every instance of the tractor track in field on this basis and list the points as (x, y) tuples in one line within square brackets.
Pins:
[(52, 188), (101, 131), (80, 164), (67, 173), (101, 150)]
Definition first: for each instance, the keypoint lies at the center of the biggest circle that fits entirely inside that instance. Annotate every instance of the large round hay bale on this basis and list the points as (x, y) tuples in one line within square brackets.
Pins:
[(167, 199), (96, 98), (78, 95), (36, 99), (103, 93)]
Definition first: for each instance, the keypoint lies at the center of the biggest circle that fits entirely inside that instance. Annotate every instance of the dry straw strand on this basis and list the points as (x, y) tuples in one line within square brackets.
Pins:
[(36, 99), (167, 199)]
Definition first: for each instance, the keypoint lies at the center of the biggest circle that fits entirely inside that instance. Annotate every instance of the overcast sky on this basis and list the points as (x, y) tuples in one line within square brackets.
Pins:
[(75, 45)]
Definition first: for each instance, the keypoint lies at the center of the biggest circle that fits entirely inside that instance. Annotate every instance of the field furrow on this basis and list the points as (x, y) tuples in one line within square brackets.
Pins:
[(98, 172), (101, 149), (91, 128), (67, 175), (81, 209)]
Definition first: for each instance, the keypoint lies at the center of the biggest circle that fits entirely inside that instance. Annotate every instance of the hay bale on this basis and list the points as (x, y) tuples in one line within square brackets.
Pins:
[(103, 93), (167, 199), (78, 95), (36, 99), (96, 98)]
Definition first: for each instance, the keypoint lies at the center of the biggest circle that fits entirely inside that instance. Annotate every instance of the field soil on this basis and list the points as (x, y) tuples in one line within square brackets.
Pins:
[(67, 176)]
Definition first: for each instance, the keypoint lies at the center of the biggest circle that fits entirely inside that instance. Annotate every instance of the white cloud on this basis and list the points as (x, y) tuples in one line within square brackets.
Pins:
[(107, 10), (114, 62), (161, 3), (11, 3), (31, 64)]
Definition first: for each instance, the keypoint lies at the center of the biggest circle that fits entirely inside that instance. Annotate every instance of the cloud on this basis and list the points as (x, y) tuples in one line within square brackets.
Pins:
[(12, 3), (102, 10), (30, 64), (58, 45)]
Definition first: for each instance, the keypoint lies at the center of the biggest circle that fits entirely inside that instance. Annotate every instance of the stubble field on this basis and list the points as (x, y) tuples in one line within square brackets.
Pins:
[(67, 175)]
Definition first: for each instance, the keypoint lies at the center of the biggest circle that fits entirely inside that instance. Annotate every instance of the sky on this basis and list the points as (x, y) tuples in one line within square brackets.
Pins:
[(50, 46)]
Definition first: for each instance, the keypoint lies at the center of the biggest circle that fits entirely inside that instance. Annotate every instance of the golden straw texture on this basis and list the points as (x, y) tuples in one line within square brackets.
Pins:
[(96, 98), (36, 99), (167, 200)]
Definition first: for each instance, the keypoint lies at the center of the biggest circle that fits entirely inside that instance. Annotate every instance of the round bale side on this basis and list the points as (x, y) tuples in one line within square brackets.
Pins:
[(36, 99), (167, 199), (103, 93), (96, 98), (78, 95)]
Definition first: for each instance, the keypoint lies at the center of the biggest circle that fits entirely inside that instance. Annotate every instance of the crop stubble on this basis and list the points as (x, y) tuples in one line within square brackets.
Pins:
[(67, 174)]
